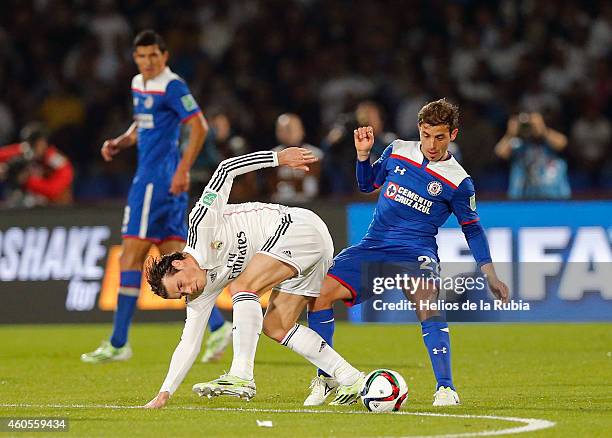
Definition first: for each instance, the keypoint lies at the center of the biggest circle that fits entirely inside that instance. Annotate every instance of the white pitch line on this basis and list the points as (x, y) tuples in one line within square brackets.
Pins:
[(528, 424)]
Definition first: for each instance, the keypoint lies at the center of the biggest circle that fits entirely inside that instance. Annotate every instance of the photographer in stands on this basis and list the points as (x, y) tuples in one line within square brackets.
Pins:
[(537, 170), (34, 172)]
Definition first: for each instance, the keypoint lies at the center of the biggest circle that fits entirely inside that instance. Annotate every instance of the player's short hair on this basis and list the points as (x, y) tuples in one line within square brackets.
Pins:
[(157, 268), (149, 37), (440, 112)]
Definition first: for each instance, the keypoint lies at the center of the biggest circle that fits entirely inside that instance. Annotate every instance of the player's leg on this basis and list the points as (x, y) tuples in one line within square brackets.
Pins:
[(133, 254), (260, 275), (341, 283), (321, 320), (436, 338), (220, 329), (280, 324)]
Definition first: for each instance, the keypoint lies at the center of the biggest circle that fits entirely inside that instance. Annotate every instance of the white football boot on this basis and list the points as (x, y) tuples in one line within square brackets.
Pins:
[(445, 396), (227, 385), (321, 387)]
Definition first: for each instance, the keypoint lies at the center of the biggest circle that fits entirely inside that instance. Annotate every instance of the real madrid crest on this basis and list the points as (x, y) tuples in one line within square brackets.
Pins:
[(216, 244), (434, 188)]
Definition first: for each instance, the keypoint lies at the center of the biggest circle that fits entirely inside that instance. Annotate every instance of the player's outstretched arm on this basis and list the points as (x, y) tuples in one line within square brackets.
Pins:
[(198, 129), (463, 205), (216, 192), (186, 351), (208, 211), (113, 146)]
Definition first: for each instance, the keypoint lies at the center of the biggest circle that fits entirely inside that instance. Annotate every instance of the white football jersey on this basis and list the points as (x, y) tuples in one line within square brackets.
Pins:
[(223, 238)]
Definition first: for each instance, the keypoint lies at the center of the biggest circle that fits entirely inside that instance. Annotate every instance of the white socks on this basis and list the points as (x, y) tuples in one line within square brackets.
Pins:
[(310, 345), (248, 321)]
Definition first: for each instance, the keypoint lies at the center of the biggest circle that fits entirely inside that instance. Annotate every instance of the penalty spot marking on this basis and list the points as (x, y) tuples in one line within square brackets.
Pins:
[(527, 424)]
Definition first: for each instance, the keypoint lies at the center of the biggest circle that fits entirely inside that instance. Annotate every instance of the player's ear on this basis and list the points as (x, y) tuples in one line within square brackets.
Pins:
[(453, 134), (178, 264)]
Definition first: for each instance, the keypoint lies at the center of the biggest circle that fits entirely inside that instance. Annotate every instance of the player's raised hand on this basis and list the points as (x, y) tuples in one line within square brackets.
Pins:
[(110, 148), (180, 182), (364, 140), (158, 401), (296, 158)]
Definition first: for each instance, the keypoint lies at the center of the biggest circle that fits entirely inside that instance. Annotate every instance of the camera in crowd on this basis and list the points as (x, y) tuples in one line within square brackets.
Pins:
[(16, 169), (525, 126)]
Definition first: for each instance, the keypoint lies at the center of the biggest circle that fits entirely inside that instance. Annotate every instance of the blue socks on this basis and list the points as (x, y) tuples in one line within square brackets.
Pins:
[(322, 322), (437, 342), (129, 289), (216, 319)]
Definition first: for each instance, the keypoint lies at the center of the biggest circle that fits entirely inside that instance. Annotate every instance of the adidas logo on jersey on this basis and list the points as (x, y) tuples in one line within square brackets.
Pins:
[(213, 277), (323, 344), (287, 253)]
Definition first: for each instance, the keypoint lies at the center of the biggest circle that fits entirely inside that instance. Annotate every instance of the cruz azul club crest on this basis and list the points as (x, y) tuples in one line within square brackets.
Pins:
[(434, 188)]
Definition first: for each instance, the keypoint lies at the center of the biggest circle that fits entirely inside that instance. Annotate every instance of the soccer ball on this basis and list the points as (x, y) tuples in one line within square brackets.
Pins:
[(384, 391)]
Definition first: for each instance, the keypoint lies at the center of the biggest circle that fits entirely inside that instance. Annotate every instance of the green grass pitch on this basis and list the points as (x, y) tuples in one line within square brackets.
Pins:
[(556, 372)]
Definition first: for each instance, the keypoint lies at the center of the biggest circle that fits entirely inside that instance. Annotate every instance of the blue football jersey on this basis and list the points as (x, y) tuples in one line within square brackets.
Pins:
[(160, 106), (417, 197)]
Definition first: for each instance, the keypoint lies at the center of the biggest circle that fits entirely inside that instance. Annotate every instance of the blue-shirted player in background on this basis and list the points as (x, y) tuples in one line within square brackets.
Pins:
[(421, 185), (157, 201)]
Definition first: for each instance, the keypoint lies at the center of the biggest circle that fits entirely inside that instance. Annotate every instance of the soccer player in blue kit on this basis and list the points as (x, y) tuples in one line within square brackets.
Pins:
[(157, 201), (421, 185)]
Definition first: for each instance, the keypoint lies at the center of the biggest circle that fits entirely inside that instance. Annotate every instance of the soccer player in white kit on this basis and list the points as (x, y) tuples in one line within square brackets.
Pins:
[(251, 248)]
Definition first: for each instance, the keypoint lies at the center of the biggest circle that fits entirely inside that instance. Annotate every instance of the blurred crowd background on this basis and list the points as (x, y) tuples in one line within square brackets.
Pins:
[(332, 65)]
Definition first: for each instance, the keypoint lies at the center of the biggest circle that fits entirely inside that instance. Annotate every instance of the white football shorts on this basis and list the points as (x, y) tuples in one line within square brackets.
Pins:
[(301, 239)]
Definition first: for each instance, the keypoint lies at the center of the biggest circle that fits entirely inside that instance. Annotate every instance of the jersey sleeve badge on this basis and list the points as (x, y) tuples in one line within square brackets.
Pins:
[(189, 102), (208, 198)]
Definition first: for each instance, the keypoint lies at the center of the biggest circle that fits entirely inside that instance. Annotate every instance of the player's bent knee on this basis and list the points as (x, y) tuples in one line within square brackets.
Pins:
[(331, 292)]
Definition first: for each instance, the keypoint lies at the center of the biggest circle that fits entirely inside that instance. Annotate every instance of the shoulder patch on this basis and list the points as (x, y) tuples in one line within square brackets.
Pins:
[(473, 202), (188, 102), (208, 198)]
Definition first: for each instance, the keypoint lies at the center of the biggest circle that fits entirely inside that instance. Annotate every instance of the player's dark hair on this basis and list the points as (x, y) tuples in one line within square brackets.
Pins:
[(157, 268), (440, 112), (150, 38)]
